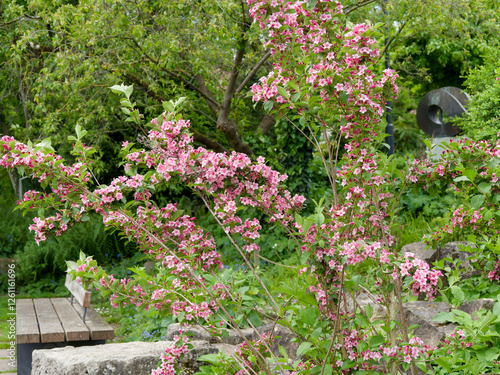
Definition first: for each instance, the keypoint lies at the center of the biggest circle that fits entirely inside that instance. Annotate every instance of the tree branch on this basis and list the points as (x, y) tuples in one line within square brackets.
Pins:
[(208, 98), (223, 123), (211, 144), (252, 72), (198, 137), (265, 124), (207, 94), (20, 18), (386, 48), (357, 6)]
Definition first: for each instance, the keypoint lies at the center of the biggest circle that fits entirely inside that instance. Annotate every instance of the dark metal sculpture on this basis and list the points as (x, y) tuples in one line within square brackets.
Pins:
[(448, 100)]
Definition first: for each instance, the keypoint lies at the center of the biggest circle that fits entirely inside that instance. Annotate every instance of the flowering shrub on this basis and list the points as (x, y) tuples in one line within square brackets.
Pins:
[(469, 169), (324, 78)]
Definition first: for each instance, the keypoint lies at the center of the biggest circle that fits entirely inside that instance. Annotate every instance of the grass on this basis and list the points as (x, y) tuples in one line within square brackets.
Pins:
[(4, 324), (4, 328)]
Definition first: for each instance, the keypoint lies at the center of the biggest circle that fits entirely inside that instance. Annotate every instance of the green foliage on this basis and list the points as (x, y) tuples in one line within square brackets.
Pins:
[(410, 229), (13, 226), (60, 60), (420, 202), (481, 343), (441, 40), (482, 120), (43, 267), (408, 137)]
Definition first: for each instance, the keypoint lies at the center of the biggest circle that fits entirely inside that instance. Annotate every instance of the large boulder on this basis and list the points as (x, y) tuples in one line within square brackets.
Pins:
[(138, 358), (423, 313), (474, 306), (421, 251)]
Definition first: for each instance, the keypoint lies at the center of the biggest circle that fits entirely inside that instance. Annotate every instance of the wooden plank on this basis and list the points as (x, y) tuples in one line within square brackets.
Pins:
[(74, 328), (99, 329), (26, 323), (51, 329), (81, 295)]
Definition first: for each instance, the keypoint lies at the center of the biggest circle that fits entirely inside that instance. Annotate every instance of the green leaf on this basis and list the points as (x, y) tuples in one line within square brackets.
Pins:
[(168, 106), (309, 315), (255, 319), (283, 92), (311, 4), (376, 341), (496, 309), (457, 293), (303, 348), (461, 178), (477, 201), (471, 174), (210, 358), (444, 362), (283, 352), (304, 257), (484, 187), (268, 105), (344, 97), (46, 143), (369, 311), (119, 89), (328, 370), (444, 317)]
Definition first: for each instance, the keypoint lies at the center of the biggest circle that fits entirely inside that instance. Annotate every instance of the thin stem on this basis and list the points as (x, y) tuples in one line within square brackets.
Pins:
[(242, 254)]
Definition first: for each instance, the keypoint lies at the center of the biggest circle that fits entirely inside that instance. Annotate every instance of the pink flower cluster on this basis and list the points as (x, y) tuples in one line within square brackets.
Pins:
[(338, 57), (424, 280), (172, 356), (495, 273)]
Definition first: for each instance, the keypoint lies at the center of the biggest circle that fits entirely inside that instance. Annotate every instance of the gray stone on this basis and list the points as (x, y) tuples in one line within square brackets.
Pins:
[(283, 337), (418, 312), (7, 365), (474, 306), (429, 334), (112, 359), (447, 329), (362, 300), (453, 250), (421, 251), (149, 266)]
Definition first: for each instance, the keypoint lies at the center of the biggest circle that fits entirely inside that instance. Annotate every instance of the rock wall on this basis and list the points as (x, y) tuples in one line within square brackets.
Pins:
[(139, 358), (133, 358)]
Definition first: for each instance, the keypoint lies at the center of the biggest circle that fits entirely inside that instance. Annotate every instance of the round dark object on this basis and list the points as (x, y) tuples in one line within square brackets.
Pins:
[(449, 101)]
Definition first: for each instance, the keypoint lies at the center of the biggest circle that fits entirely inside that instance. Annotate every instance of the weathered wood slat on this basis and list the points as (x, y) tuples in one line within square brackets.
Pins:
[(81, 295), (50, 327), (26, 322), (74, 328), (99, 329)]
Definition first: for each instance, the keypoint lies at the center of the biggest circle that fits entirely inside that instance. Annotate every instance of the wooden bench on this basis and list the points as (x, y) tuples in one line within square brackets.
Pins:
[(45, 323)]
